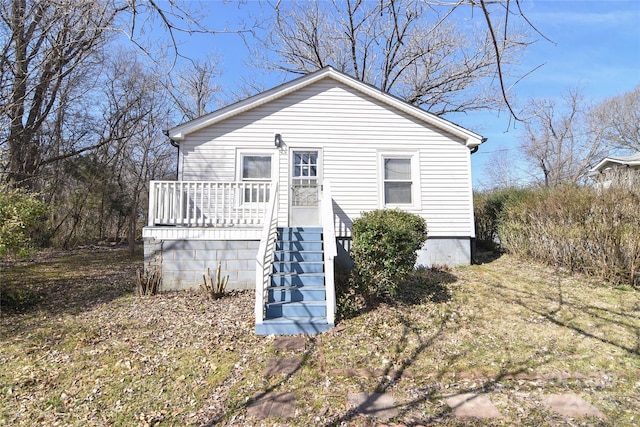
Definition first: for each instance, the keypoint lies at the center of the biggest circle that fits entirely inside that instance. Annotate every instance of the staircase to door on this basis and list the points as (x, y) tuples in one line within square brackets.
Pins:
[(296, 296)]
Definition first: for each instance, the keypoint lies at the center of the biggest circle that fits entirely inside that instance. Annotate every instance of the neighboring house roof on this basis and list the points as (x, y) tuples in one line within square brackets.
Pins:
[(179, 132), (607, 162)]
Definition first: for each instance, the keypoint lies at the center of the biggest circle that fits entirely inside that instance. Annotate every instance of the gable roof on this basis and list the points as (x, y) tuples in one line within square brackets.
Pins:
[(179, 132), (633, 161)]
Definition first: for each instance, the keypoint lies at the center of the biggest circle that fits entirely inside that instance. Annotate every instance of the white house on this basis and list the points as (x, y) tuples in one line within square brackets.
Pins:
[(617, 170), (268, 186)]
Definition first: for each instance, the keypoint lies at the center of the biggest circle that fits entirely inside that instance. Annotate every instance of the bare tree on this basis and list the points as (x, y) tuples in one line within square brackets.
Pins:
[(99, 194), (618, 120), (502, 170), (144, 153), (193, 88), (411, 48), (45, 44), (558, 139)]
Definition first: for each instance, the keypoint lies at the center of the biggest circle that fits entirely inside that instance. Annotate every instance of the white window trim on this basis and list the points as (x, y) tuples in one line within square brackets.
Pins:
[(242, 152), (416, 199)]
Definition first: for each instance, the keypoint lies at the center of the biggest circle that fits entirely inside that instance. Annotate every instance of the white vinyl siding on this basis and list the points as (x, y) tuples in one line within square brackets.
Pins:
[(352, 130)]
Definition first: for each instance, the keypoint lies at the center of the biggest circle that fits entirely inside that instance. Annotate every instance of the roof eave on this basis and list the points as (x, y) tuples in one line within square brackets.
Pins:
[(605, 162)]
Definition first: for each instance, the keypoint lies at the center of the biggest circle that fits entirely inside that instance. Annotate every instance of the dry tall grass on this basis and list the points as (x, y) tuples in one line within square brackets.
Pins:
[(589, 230)]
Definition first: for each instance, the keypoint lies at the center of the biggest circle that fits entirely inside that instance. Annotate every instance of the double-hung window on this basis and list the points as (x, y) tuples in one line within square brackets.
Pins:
[(399, 180), (256, 169)]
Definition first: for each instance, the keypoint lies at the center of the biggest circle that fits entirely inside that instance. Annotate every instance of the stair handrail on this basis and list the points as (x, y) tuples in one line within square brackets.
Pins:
[(264, 258), (330, 250)]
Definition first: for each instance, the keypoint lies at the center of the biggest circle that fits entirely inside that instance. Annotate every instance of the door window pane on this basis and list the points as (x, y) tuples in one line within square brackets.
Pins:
[(305, 164), (304, 182)]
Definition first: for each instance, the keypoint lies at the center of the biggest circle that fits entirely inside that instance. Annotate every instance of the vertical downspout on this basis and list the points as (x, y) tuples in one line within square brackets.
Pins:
[(473, 239)]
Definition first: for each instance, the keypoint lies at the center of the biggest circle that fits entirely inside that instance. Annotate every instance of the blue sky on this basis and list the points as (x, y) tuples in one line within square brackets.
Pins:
[(595, 45)]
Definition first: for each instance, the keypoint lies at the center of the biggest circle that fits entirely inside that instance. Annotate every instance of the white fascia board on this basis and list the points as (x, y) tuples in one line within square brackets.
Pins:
[(633, 160), (600, 165), (605, 162)]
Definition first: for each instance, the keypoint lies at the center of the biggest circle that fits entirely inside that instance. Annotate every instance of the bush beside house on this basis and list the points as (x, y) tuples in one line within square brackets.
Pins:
[(385, 242), (583, 229)]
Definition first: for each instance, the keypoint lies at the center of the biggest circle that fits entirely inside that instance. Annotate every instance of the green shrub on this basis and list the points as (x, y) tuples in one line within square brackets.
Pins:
[(488, 209), (21, 216), (384, 249)]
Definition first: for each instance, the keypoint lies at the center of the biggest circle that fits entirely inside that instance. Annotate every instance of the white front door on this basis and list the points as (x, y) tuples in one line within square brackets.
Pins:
[(304, 194)]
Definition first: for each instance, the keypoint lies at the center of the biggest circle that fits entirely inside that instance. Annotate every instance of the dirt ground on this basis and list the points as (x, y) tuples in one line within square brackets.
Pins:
[(78, 347)]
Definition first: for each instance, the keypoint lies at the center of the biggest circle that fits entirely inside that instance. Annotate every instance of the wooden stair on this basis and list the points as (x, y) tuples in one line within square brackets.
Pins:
[(296, 296)]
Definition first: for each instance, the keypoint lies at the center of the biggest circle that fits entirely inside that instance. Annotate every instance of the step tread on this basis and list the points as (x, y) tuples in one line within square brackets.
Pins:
[(298, 241), (299, 228), (300, 262), (300, 303), (302, 251), (307, 287), (295, 273), (297, 319)]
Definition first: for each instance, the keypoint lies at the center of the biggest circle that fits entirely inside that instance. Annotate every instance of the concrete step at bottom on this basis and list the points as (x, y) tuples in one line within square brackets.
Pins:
[(293, 326), (296, 309)]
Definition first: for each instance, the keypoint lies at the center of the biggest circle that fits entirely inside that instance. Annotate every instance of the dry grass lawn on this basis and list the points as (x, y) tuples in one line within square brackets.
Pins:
[(79, 348)]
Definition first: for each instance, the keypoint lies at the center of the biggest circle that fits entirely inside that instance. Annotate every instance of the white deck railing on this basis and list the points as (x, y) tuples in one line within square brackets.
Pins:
[(207, 203), (264, 258), (330, 250)]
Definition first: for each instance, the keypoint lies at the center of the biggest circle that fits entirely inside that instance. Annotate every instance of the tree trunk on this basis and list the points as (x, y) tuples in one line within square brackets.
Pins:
[(133, 217)]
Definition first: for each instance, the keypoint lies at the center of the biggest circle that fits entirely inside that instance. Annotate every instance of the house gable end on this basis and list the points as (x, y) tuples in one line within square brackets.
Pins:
[(469, 138)]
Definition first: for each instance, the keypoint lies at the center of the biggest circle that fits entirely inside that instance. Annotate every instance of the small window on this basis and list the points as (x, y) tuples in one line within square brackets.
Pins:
[(397, 181), (256, 168)]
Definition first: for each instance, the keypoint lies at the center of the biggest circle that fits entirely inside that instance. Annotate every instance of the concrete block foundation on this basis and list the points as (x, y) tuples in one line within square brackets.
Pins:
[(183, 262)]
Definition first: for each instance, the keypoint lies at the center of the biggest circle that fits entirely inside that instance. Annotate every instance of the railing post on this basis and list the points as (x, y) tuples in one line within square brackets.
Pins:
[(330, 250), (203, 204), (264, 256), (177, 202), (152, 204)]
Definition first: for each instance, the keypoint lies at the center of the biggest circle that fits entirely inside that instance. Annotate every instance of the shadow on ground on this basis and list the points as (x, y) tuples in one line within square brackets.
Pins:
[(426, 285), (61, 282)]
